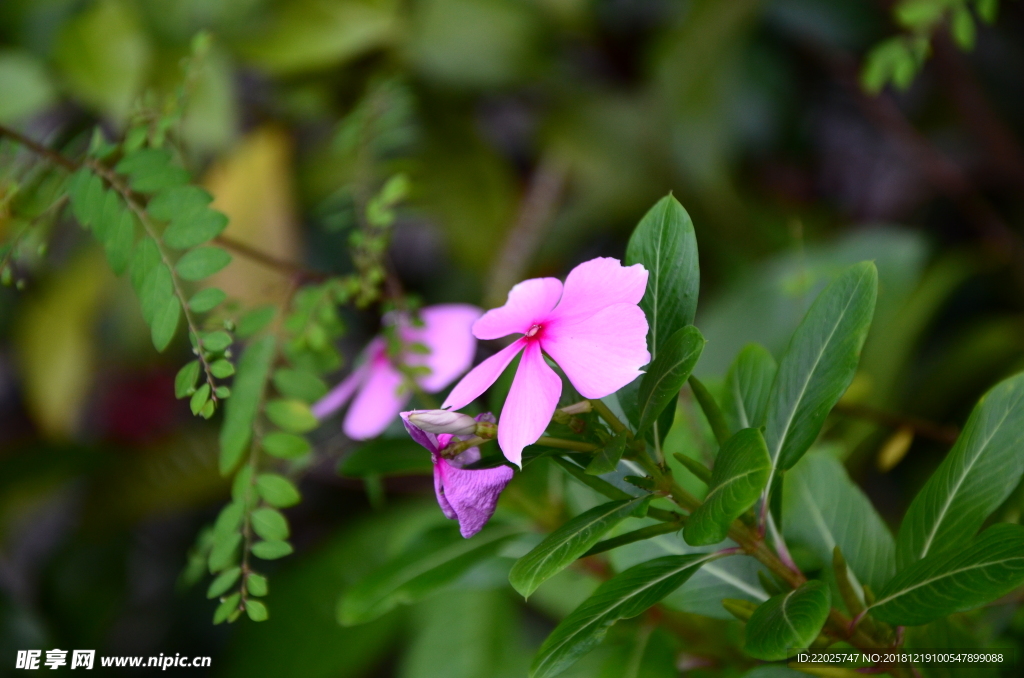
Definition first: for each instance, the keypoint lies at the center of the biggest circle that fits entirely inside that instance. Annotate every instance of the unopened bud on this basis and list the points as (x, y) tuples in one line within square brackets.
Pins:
[(443, 421)]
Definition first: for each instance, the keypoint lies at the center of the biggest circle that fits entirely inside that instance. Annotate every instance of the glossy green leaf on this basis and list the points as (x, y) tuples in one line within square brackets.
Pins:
[(277, 490), (292, 415), (788, 621), (185, 380), (285, 445), (625, 595), (667, 373), (740, 474), (435, 560), (270, 524), (272, 549), (747, 386), (607, 458), (955, 579), (206, 300), (820, 363), (977, 475), (299, 385), (222, 582), (165, 322), (665, 243), (240, 410), (822, 508), (202, 262), (563, 546)]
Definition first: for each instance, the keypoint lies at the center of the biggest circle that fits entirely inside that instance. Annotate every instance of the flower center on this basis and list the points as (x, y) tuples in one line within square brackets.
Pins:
[(532, 332)]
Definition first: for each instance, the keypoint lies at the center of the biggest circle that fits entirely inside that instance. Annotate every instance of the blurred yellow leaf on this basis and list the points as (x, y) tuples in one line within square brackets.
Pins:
[(103, 55), (895, 448), (253, 186), (54, 341)]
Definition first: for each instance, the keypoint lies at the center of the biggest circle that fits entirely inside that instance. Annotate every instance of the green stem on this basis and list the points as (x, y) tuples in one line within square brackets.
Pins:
[(563, 444), (711, 410), (605, 413), (608, 490)]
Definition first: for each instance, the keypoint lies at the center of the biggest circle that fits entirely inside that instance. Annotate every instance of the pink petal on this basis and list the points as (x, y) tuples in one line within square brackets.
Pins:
[(440, 466), (338, 396), (597, 284), (378, 403), (421, 437), (447, 332), (482, 376), (530, 404), (602, 353), (470, 495), (528, 303)]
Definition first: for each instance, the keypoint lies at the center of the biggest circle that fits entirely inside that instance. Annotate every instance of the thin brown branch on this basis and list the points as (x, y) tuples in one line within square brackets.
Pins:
[(37, 148), (940, 433), (535, 212)]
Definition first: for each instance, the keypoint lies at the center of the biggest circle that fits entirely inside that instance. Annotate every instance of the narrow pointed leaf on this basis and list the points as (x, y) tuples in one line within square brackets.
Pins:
[(240, 411), (955, 579), (436, 560), (747, 386), (740, 474), (625, 595), (820, 363), (570, 541), (822, 508), (977, 475), (666, 375), (788, 621), (665, 243)]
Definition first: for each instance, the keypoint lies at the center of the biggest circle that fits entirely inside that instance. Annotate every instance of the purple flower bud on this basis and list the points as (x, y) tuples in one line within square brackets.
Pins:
[(443, 421)]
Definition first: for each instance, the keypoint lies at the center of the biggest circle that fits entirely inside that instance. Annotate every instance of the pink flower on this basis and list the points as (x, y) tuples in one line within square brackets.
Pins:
[(592, 327), (467, 495), (379, 388)]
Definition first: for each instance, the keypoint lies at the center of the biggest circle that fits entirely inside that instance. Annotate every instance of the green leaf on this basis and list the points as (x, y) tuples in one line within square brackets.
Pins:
[(387, 457), (225, 551), (226, 608), (788, 621), (272, 549), (229, 520), (665, 243), (270, 524), (955, 579), (202, 262), (820, 363), (165, 322), (197, 229), (625, 595), (822, 508), (240, 410), (151, 169), (962, 28), (607, 458), (255, 320), (82, 188), (215, 342), (299, 385), (563, 546), (179, 203), (120, 238), (285, 445), (667, 373), (256, 584), (256, 610), (292, 415), (977, 475), (26, 85), (277, 490), (109, 215), (206, 300), (223, 582), (145, 258), (157, 291), (432, 562), (185, 380), (740, 474), (199, 398), (747, 386), (222, 368)]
